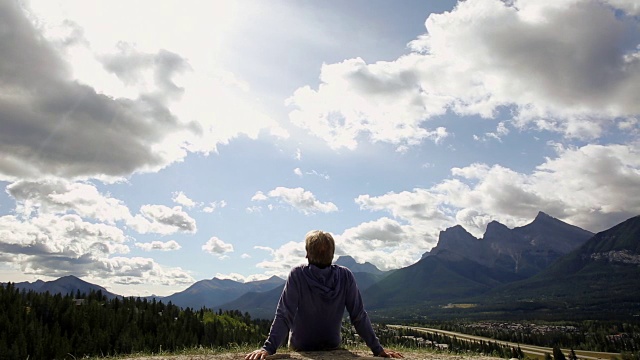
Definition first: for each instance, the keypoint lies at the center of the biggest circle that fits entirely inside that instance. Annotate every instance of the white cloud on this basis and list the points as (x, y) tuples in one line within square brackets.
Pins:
[(214, 205), (542, 60), (298, 198), (245, 256), (217, 247), (63, 228), (231, 276), (53, 125), (181, 199), (501, 131), (241, 278), (53, 196), (259, 196), (588, 187), (170, 245), (138, 270), (74, 106), (59, 196), (284, 258), (52, 245), (299, 172), (380, 100), (164, 220), (384, 242), (265, 248)]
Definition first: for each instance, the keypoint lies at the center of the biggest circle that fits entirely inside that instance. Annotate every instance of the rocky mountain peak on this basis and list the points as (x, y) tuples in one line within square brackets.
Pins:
[(543, 217), (351, 263), (456, 235), (495, 229), (525, 249)]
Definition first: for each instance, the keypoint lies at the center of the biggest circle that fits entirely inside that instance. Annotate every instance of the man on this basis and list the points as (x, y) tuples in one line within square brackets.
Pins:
[(312, 304)]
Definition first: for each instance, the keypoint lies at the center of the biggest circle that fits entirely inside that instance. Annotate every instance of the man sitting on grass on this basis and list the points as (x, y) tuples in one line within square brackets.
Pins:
[(312, 304)]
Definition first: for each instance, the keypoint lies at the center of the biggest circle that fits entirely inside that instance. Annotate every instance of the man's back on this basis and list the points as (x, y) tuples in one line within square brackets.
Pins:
[(322, 300), (312, 305)]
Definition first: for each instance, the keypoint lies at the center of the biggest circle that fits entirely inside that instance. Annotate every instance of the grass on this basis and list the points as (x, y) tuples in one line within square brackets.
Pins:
[(247, 348), (200, 350)]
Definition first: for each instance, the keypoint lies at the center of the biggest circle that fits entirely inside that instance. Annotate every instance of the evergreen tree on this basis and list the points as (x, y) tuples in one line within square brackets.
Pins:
[(558, 354)]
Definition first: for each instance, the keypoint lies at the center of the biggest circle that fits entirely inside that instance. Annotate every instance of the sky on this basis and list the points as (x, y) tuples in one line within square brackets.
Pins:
[(148, 145)]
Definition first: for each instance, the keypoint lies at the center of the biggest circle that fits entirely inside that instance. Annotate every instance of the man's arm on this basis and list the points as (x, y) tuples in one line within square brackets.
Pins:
[(362, 323), (359, 317), (285, 313)]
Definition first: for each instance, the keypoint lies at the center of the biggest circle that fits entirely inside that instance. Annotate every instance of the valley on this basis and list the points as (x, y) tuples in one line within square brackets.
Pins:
[(531, 351)]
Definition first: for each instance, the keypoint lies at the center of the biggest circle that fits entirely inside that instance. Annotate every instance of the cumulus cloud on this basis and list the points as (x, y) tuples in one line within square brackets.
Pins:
[(587, 186), (138, 270), (381, 100), (385, 243), (259, 196), (300, 199), (51, 195), (164, 220), (283, 258), (55, 126), (217, 247), (51, 245), (544, 61), (182, 199), (59, 196), (170, 245), (62, 227)]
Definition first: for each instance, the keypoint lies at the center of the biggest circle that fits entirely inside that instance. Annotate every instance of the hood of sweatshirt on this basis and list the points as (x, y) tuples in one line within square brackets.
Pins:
[(325, 282)]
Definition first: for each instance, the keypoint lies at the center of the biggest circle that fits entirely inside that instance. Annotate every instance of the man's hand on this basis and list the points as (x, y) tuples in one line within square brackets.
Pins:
[(390, 354), (257, 355)]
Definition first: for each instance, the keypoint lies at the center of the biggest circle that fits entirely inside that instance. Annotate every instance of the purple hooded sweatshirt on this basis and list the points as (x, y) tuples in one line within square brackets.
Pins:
[(311, 307)]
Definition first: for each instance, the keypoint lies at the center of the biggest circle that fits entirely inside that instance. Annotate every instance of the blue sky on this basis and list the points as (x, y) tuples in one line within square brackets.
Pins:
[(146, 146)]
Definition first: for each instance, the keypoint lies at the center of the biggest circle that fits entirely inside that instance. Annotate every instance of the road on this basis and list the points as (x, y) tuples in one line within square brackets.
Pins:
[(531, 350)]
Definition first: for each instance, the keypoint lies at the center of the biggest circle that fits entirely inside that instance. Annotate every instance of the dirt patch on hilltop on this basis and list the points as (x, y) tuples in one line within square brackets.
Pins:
[(322, 355)]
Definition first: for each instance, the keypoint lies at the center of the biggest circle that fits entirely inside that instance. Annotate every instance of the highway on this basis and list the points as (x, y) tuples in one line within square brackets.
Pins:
[(530, 350)]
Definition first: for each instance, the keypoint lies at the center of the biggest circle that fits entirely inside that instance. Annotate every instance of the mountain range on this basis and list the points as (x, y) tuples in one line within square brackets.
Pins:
[(602, 274), (213, 293), (64, 285), (462, 266), (547, 266)]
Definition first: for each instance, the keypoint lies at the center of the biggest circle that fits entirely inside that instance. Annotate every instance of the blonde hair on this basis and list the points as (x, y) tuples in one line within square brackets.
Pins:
[(320, 247)]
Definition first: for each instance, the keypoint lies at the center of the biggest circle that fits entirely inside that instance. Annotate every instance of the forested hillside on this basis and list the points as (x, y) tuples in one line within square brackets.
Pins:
[(44, 326)]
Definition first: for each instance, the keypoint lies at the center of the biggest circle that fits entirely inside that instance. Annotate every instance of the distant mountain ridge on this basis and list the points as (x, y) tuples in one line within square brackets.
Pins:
[(64, 285), (604, 271), (351, 264), (523, 250), (462, 266), (215, 292)]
